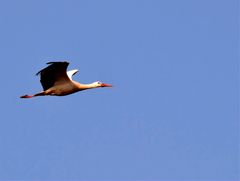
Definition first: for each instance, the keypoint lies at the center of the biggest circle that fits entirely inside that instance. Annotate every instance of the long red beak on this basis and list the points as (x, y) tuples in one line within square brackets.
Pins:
[(106, 85)]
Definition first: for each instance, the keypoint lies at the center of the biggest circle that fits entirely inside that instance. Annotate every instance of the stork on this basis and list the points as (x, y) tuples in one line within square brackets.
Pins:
[(57, 81)]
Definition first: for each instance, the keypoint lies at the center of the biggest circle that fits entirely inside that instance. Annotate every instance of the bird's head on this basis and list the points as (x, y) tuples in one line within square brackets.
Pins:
[(100, 84)]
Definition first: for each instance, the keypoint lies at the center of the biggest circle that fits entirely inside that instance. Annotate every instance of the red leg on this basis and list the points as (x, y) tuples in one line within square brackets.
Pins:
[(26, 96)]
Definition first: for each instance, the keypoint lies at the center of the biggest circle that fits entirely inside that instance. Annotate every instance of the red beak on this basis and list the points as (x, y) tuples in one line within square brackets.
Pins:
[(106, 85)]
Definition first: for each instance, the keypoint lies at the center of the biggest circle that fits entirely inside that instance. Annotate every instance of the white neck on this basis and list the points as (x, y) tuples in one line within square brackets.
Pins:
[(87, 86)]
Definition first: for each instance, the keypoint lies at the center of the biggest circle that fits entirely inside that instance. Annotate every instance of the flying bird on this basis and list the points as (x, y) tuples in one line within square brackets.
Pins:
[(57, 81)]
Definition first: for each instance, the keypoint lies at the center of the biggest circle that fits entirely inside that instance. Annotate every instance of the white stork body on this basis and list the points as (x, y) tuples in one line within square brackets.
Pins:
[(56, 81)]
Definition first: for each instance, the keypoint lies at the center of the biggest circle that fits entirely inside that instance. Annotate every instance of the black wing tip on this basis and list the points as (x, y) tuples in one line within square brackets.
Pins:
[(57, 62), (52, 63)]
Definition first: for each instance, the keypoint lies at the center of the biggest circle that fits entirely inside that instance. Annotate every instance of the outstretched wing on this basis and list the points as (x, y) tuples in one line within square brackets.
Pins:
[(70, 73), (54, 74)]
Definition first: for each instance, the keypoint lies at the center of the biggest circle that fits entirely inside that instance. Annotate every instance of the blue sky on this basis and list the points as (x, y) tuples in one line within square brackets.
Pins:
[(172, 115)]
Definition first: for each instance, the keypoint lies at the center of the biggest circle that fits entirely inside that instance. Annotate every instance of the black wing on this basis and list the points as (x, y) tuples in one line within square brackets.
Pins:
[(54, 74)]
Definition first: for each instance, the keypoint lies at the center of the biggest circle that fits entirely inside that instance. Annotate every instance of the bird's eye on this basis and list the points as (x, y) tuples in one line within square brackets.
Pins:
[(99, 82)]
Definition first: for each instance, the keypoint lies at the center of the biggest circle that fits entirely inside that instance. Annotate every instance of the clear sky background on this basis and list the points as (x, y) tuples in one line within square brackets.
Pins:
[(172, 115)]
